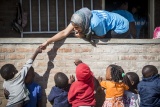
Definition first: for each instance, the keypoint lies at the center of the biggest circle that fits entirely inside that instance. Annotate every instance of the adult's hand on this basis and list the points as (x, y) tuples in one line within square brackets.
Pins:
[(44, 45), (79, 35)]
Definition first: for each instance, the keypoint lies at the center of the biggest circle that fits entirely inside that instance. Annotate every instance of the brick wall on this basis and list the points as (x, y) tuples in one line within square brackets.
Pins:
[(132, 55)]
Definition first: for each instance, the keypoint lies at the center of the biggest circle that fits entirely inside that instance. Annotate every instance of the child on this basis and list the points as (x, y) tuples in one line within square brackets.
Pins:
[(81, 93), (14, 82), (114, 86), (149, 87), (34, 89), (59, 93), (131, 96)]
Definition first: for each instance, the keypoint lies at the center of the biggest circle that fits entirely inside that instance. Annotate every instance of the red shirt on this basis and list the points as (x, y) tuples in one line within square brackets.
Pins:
[(81, 92)]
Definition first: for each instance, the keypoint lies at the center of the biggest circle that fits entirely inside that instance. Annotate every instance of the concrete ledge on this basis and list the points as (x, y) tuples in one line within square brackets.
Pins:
[(78, 41)]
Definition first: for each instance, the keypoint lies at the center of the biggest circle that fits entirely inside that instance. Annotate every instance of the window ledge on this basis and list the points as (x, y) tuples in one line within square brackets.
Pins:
[(79, 41)]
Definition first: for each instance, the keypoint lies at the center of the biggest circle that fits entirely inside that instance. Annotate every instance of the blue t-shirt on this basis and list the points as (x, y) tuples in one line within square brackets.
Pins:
[(104, 21), (126, 14), (35, 94)]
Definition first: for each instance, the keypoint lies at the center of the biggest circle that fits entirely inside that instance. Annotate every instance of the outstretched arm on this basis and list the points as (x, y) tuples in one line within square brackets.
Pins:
[(38, 50), (29, 63), (62, 34)]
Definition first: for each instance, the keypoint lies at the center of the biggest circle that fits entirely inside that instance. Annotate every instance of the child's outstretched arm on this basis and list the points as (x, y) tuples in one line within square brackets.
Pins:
[(38, 50), (29, 63)]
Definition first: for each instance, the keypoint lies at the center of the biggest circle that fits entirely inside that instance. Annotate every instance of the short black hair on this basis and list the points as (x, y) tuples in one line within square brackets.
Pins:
[(116, 72), (149, 70), (61, 80), (7, 71), (134, 77)]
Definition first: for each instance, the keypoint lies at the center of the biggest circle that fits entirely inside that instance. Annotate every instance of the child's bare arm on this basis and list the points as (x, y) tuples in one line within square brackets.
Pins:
[(38, 50)]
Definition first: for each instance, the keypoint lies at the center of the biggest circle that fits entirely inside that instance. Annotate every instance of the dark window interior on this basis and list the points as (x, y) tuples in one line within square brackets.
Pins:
[(8, 14), (141, 16)]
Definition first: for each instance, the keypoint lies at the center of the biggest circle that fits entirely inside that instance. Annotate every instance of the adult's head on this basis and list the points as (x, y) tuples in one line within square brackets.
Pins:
[(81, 20), (149, 70), (61, 80), (8, 71), (30, 76)]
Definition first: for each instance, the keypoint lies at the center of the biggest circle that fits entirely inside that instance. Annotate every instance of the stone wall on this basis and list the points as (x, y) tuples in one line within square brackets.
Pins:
[(132, 55)]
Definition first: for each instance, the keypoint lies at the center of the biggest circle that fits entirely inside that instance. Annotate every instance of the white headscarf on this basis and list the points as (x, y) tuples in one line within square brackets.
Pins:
[(82, 19)]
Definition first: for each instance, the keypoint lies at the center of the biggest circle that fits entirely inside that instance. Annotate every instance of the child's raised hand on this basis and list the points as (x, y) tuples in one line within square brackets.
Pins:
[(6, 93), (100, 79), (71, 79)]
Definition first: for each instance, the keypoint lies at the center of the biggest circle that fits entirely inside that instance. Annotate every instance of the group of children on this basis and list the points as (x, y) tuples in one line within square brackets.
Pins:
[(122, 90)]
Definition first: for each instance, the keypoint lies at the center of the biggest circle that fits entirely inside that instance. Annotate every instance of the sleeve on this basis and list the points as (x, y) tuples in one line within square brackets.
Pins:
[(51, 96), (26, 67), (98, 25), (71, 94), (130, 17), (138, 87), (104, 84), (4, 85), (39, 93), (100, 29)]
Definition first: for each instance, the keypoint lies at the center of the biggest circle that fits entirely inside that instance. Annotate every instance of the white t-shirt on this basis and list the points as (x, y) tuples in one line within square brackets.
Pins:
[(16, 85), (131, 99)]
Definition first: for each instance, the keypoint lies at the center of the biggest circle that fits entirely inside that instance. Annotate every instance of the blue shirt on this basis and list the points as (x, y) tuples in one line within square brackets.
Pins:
[(59, 97), (104, 21), (149, 91), (139, 22), (35, 94), (126, 14)]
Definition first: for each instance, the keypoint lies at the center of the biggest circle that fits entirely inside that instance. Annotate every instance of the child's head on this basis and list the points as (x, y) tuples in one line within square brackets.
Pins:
[(30, 76), (8, 71), (83, 73), (61, 80), (114, 73), (131, 79), (149, 70)]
